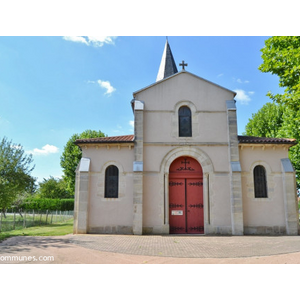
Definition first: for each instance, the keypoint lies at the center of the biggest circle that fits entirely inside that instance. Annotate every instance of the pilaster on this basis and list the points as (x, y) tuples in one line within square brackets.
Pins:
[(290, 197), (237, 222), (81, 205), (138, 167)]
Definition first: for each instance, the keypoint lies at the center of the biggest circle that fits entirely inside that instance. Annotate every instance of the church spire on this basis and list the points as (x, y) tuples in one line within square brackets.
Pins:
[(167, 64)]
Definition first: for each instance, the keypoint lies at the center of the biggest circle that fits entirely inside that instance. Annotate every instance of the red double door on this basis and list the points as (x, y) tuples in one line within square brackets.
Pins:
[(186, 197)]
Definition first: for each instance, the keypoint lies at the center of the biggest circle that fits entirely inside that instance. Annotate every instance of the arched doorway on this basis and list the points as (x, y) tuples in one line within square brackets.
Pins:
[(186, 196)]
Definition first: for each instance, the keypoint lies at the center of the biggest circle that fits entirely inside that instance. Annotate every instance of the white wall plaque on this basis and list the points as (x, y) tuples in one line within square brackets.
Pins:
[(177, 212)]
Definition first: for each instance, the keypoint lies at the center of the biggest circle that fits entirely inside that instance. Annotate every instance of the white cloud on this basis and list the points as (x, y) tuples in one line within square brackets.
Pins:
[(243, 97), (95, 41), (106, 85), (99, 41), (46, 150), (242, 81), (76, 39)]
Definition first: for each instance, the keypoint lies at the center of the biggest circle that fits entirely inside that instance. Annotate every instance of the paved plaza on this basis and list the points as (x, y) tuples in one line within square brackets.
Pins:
[(190, 246), (158, 249)]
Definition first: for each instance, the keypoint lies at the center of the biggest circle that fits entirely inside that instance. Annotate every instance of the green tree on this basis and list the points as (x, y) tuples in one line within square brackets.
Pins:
[(267, 121), (291, 128), (53, 188), (281, 56), (72, 155), (15, 169)]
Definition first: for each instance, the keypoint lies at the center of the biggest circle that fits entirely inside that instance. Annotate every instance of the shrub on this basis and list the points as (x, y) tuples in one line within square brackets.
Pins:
[(48, 204)]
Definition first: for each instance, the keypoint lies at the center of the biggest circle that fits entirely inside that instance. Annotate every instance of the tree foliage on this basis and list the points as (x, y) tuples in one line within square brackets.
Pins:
[(281, 56), (291, 128), (53, 188), (267, 121), (15, 169), (72, 155)]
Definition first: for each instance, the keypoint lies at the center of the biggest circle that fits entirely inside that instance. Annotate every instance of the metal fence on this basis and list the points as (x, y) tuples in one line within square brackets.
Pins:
[(13, 220)]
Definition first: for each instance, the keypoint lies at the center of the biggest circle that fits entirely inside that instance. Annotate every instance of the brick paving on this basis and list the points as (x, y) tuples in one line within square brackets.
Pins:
[(190, 246)]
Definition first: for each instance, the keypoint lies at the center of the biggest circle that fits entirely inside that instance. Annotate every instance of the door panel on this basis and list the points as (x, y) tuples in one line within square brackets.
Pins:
[(177, 210), (194, 203)]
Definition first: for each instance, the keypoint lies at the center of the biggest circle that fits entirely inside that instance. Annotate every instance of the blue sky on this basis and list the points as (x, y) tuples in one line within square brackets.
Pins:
[(53, 87)]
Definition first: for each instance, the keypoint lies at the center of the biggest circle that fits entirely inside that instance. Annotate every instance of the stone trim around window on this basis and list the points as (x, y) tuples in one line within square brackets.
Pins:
[(270, 176), (101, 182), (175, 120)]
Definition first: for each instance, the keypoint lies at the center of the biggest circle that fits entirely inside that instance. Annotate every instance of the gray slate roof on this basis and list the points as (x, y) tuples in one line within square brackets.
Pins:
[(167, 64)]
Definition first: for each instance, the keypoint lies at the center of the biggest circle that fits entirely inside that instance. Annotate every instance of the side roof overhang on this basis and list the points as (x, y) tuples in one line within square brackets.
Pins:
[(123, 139), (264, 140)]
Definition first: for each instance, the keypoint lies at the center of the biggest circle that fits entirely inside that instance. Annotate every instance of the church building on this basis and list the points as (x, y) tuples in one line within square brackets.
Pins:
[(185, 170)]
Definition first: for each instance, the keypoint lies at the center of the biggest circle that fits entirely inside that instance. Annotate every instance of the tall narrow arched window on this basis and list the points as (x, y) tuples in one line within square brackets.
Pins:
[(111, 182), (185, 121), (260, 182)]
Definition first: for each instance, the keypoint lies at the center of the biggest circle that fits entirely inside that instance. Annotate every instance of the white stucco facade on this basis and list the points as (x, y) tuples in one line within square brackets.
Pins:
[(229, 204)]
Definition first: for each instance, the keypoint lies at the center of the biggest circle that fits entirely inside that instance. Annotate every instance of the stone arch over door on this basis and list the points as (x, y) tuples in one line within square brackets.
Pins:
[(208, 175)]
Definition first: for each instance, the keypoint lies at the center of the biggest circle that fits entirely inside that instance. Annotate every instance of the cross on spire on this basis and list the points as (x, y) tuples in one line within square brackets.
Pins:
[(183, 65)]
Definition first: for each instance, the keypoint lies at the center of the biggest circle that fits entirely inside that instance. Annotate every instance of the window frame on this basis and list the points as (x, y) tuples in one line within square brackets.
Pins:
[(111, 192), (182, 116), (260, 182)]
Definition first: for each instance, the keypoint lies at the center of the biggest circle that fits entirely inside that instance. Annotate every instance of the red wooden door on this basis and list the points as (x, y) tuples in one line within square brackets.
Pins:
[(195, 220), (177, 205), (186, 196)]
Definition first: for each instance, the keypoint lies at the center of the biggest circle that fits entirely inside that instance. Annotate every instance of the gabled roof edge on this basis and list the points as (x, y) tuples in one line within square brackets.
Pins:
[(177, 74)]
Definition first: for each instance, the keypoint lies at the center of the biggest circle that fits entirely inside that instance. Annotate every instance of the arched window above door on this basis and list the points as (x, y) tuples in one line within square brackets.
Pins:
[(185, 121)]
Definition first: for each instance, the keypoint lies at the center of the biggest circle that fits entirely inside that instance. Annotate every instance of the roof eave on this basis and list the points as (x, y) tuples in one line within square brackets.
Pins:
[(267, 143), (103, 143), (251, 142), (107, 140)]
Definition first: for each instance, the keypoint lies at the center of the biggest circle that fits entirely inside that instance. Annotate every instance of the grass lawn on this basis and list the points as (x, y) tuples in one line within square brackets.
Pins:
[(47, 230)]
